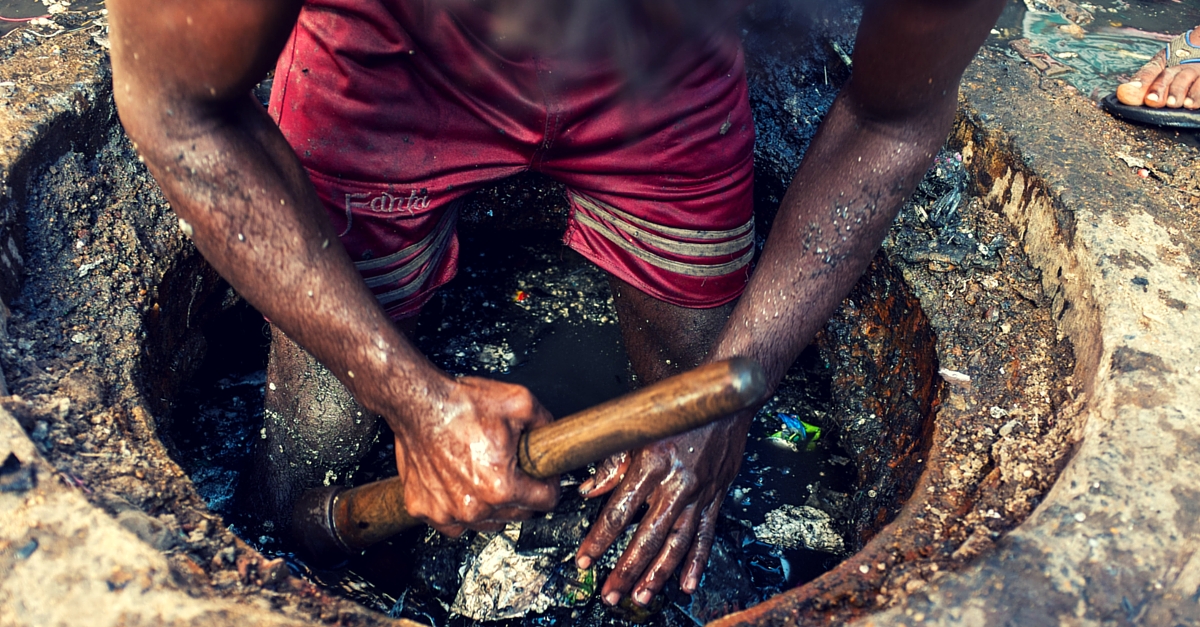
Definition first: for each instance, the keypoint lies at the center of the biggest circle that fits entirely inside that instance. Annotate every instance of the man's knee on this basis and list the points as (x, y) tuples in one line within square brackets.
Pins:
[(314, 432), (661, 338)]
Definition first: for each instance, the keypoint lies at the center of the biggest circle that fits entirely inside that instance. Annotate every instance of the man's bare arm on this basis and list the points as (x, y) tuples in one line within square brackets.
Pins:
[(182, 77), (182, 73), (872, 149)]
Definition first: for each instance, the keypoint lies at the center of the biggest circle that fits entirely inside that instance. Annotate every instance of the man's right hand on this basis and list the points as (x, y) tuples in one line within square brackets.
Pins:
[(459, 461)]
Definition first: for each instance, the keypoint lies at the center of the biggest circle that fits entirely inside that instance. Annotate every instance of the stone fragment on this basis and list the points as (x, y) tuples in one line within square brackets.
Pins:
[(148, 529), (502, 583), (273, 572), (15, 476), (795, 527)]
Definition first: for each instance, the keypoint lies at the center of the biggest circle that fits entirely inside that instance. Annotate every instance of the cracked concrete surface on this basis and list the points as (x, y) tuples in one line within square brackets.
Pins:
[(64, 561)]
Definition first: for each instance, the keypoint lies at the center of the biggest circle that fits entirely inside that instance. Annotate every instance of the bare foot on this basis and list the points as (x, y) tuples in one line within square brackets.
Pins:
[(1158, 86)]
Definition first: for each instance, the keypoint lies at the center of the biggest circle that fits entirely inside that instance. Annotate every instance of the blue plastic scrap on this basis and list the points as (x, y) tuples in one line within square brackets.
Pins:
[(794, 432)]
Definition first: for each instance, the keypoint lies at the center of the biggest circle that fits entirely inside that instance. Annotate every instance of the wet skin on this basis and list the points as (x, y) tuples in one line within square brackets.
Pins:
[(1157, 86), (182, 72)]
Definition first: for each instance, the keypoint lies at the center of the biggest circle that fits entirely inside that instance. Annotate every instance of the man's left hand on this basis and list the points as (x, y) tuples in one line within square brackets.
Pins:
[(682, 480)]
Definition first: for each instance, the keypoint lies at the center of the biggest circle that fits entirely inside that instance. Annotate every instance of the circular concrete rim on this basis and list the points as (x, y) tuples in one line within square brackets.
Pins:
[(1110, 542), (1113, 541)]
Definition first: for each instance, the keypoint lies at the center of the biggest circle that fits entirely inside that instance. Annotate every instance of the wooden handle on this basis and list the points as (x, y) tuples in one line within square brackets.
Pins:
[(359, 517), (671, 406)]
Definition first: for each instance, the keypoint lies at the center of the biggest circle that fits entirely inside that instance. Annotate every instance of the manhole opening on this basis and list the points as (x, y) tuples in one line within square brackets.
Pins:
[(108, 327), (525, 309)]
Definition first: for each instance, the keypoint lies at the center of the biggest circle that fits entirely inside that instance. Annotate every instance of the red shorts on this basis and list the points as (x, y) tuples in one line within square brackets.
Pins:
[(397, 109)]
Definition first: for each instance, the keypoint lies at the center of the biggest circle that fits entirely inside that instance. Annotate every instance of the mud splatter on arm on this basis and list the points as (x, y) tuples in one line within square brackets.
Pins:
[(878, 140)]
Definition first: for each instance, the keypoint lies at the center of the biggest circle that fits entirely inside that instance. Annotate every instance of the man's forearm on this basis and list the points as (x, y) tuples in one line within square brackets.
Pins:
[(251, 211), (872, 149), (182, 73), (852, 182)]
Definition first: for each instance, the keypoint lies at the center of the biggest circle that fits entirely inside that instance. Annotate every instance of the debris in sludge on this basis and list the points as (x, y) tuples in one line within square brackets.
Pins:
[(15, 476), (805, 527), (795, 432), (503, 583), (526, 314)]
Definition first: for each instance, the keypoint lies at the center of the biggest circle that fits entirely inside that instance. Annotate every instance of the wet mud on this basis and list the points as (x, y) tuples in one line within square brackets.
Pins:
[(1091, 46), (45, 19), (1005, 416), (873, 366)]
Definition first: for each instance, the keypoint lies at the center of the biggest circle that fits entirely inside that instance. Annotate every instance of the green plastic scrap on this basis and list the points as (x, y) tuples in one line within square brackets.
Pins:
[(577, 586), (795, 432)]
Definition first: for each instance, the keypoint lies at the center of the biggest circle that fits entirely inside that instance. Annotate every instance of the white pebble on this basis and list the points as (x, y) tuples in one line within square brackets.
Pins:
[(953, 376)]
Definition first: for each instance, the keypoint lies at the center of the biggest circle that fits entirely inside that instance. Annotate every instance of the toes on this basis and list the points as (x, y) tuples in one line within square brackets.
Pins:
[(1135, 92), (1132, 93), (1192, 100), (1152, 69), (1181, 86), (1156, 96)]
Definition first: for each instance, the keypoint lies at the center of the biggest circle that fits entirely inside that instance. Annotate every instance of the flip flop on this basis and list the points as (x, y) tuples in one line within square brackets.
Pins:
[(1165, 117)]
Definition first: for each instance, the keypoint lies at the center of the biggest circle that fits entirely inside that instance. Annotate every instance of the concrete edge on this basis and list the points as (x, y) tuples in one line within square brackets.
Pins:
[(87, 566), (1114, 540)]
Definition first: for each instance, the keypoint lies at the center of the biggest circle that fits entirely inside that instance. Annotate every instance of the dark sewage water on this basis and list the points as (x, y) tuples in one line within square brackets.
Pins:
[(527, 310)]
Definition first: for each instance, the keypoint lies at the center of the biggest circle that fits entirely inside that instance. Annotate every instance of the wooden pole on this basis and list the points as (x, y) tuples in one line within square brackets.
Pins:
[(333, 522)]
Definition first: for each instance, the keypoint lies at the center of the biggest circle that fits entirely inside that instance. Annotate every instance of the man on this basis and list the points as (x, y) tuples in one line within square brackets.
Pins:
[(394, 108)]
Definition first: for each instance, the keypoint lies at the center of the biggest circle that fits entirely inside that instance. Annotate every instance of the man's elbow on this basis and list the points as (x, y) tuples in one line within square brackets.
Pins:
[(925, 112), (155, 118)]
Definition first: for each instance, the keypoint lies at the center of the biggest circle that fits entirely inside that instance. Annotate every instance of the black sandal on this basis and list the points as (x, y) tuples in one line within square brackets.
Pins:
[(1173, 118), (1179, 52)]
